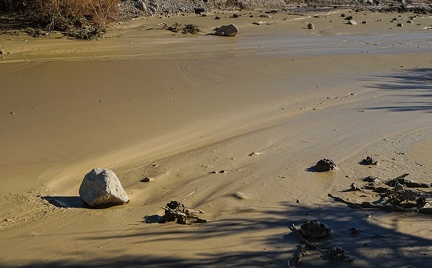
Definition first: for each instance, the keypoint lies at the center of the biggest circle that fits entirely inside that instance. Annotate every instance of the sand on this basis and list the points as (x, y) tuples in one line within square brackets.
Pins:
[(263, 107)]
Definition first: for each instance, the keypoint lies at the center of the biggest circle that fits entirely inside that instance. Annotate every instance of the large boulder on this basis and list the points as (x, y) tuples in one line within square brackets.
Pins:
[(101, 188), (227, 30)]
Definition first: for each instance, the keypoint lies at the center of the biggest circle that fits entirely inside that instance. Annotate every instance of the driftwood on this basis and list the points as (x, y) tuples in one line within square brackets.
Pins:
[(394, 195), (297, 256), (334, 254), (178, 212), (385, 207), (408, 183)]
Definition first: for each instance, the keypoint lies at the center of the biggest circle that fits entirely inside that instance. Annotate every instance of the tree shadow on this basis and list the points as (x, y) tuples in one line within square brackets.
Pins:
[(372, 245), (413, 83)]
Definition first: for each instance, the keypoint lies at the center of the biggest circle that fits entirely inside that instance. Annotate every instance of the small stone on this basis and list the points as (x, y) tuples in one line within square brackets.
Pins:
[(400, 25), (349, 18), (240, 195), (235, 16), (217, 18), (147, 179), (352, 22), (12, 112), (311, 26), (297, 200)]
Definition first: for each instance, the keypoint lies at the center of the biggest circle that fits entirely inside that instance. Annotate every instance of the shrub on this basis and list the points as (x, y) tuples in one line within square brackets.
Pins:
[(83, 19), (80, 18)]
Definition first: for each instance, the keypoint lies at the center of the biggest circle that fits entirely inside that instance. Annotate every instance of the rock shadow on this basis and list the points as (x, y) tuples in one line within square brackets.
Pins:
[(65, 201)]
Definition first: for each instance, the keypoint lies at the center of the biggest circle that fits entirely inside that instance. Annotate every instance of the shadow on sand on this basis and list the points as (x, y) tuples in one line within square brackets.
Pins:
[(64, 201), (372, 246), (413, 83)]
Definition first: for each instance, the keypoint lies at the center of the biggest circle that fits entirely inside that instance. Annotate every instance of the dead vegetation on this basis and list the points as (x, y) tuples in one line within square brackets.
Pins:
[(178, 212), (85, 19), (178, 28), (318, 232), (394, 195)]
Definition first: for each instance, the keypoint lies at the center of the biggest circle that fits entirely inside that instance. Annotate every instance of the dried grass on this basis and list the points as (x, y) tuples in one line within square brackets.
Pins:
[(84, 19)]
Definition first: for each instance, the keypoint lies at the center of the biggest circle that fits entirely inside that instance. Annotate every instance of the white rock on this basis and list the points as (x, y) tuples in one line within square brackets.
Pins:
[(101, 187), (352, 22), (227, 30)]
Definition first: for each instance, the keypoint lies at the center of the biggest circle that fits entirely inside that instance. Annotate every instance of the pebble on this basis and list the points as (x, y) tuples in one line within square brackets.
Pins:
[(240, 195), (147, 179)]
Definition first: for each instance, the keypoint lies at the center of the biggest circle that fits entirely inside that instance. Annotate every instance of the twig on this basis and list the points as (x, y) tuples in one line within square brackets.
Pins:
[(297, 256), (189, 195)]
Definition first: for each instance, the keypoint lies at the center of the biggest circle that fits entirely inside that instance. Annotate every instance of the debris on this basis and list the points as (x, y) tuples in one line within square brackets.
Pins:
[(190, 28), (332, 254), (398, 198), (408, 183), (297, 256), (178, 212), (314, 229), (369, 161), (353, 187), (336, 254), (325, 165), (177, 28)]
